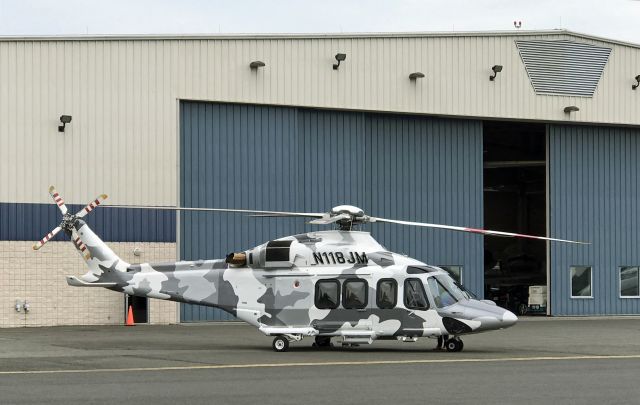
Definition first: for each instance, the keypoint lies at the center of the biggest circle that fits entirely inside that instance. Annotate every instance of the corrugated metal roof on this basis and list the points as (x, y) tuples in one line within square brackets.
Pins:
[(435, 34), (563, 67)]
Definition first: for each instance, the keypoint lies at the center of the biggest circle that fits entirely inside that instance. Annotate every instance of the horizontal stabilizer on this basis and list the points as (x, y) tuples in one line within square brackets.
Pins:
[(76, 282)]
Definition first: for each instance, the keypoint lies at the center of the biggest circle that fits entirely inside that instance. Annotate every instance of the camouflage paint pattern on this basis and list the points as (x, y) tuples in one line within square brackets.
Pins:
[(278, 297)]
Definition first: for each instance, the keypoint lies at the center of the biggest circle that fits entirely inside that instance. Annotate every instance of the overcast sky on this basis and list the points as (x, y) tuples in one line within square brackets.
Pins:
[(617, 19)]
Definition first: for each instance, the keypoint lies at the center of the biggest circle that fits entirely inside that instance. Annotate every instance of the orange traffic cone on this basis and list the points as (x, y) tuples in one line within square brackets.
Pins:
[(130, 317)]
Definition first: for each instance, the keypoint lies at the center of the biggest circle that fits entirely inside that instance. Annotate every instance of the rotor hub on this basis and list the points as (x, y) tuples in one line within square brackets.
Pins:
[(68, 222), (352, 216)]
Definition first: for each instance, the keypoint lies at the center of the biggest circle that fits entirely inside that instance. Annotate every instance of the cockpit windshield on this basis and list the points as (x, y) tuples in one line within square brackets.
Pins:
[(467, 294), (444, 290)]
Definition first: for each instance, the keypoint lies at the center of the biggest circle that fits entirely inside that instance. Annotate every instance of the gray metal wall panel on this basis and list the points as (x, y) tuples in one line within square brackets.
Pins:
[(401, 167), (594, 191)]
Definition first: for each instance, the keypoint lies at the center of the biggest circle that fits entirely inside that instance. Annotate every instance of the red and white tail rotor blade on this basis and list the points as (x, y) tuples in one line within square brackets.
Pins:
[(473, 230), (80, 245), (46, 239), (58, 199), (91, 206)]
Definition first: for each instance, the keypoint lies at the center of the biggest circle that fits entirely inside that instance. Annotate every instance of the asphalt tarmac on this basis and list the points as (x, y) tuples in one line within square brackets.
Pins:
[(537, 361)]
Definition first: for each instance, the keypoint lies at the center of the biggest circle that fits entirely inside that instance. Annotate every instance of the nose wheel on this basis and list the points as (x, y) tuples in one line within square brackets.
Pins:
[(454, 345)]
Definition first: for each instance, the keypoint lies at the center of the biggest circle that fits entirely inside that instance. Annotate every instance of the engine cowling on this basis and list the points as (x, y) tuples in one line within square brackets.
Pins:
[(277, 254)]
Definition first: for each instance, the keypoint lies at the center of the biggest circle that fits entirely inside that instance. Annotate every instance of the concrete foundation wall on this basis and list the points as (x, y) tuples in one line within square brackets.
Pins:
[(39, 278)]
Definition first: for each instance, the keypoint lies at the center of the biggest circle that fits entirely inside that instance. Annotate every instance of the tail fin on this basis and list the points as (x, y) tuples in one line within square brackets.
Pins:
[(98, 256)]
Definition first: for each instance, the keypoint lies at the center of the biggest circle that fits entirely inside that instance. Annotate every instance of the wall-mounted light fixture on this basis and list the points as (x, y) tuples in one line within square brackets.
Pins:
[(570, 109), (635, 86), (65, 119), (496, 69), (256, 64), (340, 57), (416, 75)]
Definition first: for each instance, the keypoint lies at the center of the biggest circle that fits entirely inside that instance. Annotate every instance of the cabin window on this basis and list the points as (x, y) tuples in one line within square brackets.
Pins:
[(387, 293), (414, 295), (327, 294), (580, 281), (629, 282), (354, 294)]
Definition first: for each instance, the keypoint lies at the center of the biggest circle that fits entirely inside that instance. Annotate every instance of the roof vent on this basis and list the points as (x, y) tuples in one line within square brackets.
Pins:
[(563, 68)]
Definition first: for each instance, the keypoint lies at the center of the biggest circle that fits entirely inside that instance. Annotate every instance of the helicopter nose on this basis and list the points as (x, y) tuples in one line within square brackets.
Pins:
[(509, 319)]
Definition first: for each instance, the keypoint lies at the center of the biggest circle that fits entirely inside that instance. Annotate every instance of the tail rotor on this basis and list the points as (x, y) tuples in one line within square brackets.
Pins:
[(69, 221), (46, 239), (91, 206), (58, 200)]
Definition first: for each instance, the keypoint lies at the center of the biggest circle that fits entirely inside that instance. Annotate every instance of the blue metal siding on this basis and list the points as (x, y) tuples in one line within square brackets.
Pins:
[(20, 221), (594, 190), (245, 156)]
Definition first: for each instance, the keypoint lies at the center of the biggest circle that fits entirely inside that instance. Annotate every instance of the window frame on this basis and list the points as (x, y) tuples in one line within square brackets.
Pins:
[(344, 292), (571, 282), (620, 283), (327, 280), (404, 294), (395, 295)]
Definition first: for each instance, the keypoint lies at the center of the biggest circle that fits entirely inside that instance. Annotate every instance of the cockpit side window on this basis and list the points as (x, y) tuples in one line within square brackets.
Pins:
[(414, 295), (441, 296), (387, 293)]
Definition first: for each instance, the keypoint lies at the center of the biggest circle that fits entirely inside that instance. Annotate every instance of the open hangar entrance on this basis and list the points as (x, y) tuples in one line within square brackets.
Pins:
[(515, 200), (298, 159)]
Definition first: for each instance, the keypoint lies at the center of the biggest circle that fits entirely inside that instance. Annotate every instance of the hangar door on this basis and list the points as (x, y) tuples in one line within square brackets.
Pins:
[(594, 185), (295, 159)]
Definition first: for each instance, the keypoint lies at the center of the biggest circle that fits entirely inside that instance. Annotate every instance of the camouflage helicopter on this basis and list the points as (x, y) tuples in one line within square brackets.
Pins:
[(337, 283)]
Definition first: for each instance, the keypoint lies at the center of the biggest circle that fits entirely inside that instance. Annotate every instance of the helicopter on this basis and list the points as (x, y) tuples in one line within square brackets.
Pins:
[(338, 283)]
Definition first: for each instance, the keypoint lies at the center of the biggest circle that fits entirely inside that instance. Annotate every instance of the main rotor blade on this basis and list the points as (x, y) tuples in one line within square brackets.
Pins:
[(91, 206), (260, 213), (57, 199), (474, 230), (46, 239)]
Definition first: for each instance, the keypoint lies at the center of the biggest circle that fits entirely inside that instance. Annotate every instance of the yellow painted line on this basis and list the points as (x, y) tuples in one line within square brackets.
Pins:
[(328, 363)]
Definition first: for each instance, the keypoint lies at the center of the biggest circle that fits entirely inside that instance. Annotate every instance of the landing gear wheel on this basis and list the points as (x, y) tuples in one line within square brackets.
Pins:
[(322, 341), (280, 344), (454, 345)]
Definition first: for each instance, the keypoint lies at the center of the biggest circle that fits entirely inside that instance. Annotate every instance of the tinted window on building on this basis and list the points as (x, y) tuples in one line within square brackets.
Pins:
[(629, 281), (414, 295), (327, 294), (355, 294), (580, 281), (387, 294), (454, 271)]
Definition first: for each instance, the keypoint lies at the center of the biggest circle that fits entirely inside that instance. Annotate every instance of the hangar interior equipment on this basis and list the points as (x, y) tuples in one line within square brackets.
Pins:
[(515, 198)]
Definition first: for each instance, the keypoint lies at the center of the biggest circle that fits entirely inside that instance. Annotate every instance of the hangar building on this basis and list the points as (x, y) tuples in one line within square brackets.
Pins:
[(408, 126)]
